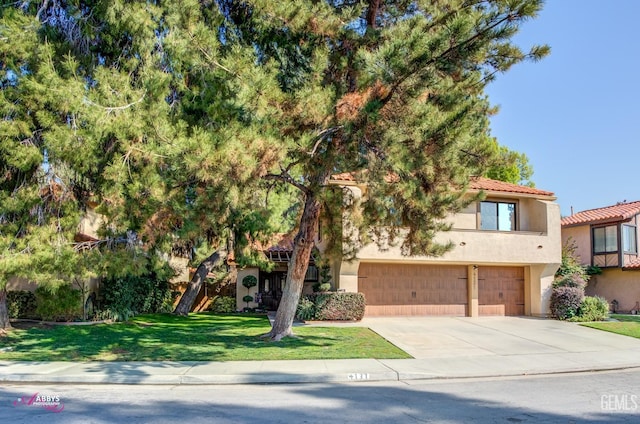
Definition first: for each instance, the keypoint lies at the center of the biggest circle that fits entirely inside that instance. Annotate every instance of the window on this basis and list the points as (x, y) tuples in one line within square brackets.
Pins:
[(312, 273), (500, 216), (605, 239), (629, 239)]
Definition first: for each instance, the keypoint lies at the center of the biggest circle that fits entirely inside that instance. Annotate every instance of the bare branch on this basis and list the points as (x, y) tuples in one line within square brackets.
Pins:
[(110, 109), (322, 135), (285, 177)]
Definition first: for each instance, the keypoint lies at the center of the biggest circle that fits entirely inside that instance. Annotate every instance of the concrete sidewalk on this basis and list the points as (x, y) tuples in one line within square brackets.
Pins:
[(442, 348)]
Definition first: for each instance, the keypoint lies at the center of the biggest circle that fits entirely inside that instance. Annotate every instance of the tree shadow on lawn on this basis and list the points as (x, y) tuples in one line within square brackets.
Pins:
[(167, 338)]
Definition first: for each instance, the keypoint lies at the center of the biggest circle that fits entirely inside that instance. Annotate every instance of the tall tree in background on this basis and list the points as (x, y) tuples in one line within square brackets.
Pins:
[(391, 91), (510, 166)]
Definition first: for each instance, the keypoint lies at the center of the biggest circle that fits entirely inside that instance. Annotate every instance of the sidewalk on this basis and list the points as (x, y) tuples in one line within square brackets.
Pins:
[(443, 348)]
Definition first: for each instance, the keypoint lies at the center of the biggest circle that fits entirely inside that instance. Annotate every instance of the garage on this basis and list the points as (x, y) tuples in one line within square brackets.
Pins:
[(399, 289), (500, 290)]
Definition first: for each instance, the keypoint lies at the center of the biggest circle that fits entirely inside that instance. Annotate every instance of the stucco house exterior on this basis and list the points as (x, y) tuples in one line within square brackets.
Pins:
[(608, 237), (507, 249)]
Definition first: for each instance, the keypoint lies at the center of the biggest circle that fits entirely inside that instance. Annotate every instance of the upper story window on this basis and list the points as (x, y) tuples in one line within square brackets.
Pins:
[(499, 216), (605, 239), (629, 239)]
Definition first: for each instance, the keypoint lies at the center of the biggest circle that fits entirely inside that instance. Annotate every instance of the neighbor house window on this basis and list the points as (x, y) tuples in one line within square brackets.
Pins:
[(629, 239), (499, 216), (605, 239)]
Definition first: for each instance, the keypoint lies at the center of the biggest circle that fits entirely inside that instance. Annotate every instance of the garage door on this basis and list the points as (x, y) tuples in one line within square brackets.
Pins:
[(394, 289), (500, 290)]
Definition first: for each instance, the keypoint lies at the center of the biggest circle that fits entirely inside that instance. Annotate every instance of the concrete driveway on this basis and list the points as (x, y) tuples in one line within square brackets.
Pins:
[(448, 337)]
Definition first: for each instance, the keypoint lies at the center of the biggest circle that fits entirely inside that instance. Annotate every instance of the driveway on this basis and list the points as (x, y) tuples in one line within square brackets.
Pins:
[(434, 337)]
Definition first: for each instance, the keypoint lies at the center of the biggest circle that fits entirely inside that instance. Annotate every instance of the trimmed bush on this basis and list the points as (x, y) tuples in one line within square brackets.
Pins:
[(21, 304), (122, 298), (593, 308), (306, 310), (63, 303), (566, 301), (333, 306), (223, 305)]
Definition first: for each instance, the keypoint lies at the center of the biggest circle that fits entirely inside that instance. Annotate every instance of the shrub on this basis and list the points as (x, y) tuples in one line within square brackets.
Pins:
[(566, 301), (306, 309), (63, 303), (21, 304), (223, 305), (122, 298), (249, 281), (593, 308), (335, 306)]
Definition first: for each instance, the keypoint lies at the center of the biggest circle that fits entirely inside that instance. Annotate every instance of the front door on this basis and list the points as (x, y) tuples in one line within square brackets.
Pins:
[(270, 287)]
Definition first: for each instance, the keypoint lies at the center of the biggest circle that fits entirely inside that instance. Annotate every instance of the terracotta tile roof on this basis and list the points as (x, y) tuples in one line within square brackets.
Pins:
[(614, 213), (633, 265), (486, 184), (345, 176), (476, 183)]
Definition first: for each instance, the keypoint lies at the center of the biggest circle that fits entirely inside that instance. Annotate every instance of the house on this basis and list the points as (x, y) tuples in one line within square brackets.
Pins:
[(608, 238), (507, 249)]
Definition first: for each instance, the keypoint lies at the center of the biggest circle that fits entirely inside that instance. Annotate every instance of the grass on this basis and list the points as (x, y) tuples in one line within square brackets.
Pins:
[(198, 337), (627, 325)]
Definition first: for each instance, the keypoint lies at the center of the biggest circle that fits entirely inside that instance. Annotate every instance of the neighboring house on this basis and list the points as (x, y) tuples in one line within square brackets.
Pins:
[(608, 237), (506, 251)]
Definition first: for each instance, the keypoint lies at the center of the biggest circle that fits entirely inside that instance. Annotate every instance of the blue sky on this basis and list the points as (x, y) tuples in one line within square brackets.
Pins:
[(576, 113)]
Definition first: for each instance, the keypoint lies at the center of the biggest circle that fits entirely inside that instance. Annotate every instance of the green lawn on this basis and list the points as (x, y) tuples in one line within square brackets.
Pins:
[(198, 337), (628, 325)]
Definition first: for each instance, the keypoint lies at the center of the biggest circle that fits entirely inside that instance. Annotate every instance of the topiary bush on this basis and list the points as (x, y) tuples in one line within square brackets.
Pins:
[(63, 303), (593, 308), (223, 305), (332, 306), (566, 301), (121, 298), (21, 304)]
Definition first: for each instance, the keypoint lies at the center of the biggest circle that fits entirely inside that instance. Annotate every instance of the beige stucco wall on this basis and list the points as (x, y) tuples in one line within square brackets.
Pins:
[(581, 236), (90, 223), (488, 247), (536, 246), (181, 267), (616, 284), (241, 291)]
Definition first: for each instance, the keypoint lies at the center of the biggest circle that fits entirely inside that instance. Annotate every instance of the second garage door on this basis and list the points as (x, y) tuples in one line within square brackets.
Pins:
[(501, 290), (395, 289)]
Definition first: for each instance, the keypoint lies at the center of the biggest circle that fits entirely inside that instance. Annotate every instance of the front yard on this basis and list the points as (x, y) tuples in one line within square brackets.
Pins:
[(198, 337), (627, 325)]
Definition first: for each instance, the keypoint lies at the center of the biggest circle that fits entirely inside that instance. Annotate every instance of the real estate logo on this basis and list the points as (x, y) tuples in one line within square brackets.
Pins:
[(49, 402), (619, 402)]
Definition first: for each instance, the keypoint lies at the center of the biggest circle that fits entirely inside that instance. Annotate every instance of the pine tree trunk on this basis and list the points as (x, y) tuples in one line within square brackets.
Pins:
[(4, 310), (302, 246), (195, 285)]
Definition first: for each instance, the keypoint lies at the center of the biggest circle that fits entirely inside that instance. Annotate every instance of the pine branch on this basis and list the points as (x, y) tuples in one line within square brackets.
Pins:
[(211, 59), (110, 109), (285, 177)]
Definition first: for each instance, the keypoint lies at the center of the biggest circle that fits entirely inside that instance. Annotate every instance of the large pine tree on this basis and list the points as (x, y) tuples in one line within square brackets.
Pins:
[(392, 91)]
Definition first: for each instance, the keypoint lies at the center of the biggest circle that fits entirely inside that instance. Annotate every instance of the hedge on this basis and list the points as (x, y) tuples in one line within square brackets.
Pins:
[(332, 306), (21, 304)]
